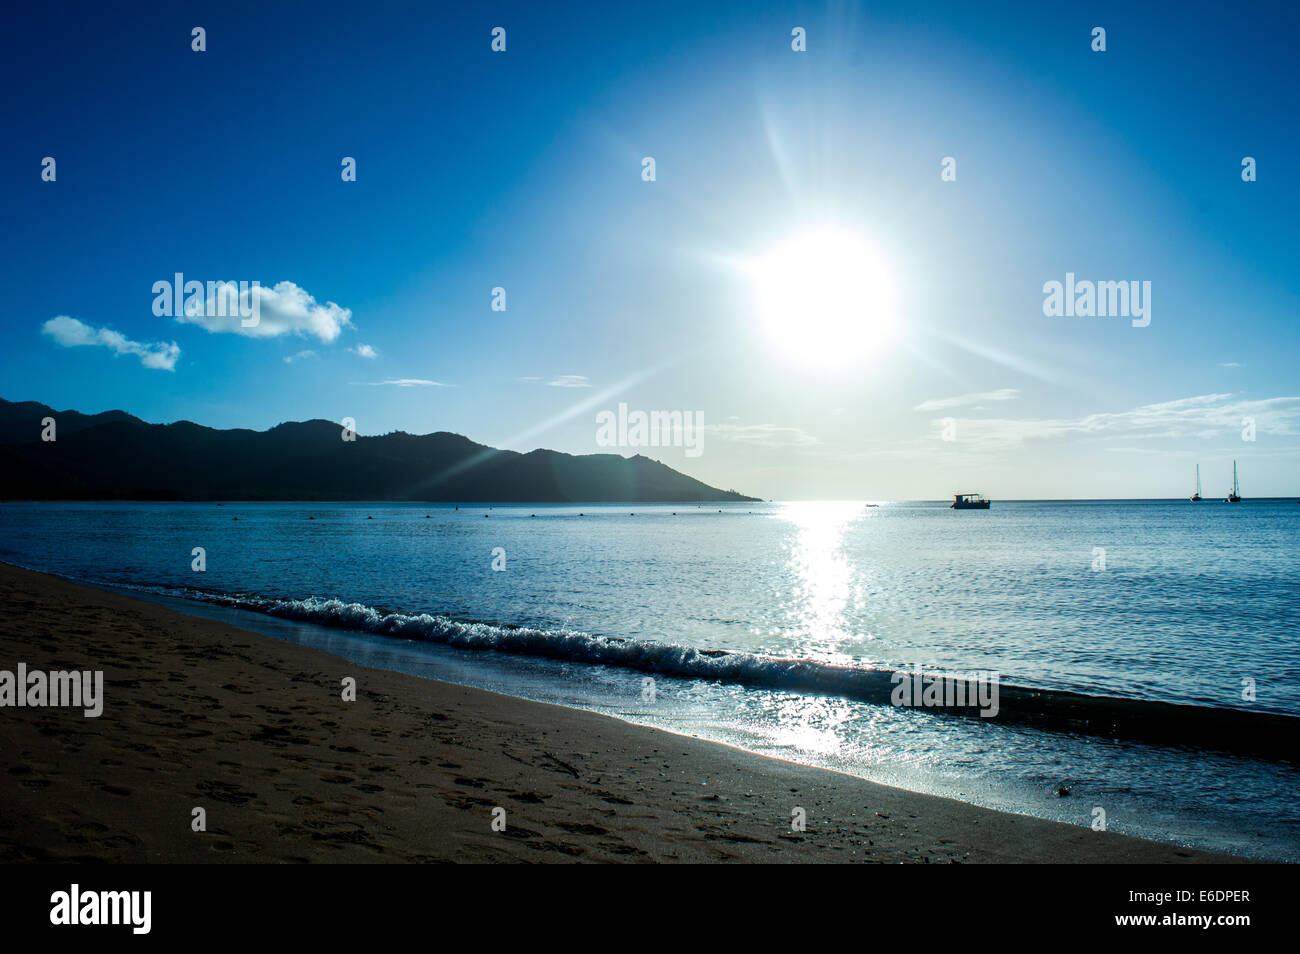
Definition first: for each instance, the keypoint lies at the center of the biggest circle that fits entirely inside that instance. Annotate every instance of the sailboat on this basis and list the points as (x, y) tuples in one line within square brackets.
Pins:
[(1235, 496), (1197, 495)]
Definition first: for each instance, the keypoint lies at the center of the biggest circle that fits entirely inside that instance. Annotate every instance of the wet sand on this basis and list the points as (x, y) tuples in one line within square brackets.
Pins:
[(256, 732)]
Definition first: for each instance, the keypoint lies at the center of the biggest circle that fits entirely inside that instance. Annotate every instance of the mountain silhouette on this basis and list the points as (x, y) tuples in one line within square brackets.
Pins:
[(115, 456)]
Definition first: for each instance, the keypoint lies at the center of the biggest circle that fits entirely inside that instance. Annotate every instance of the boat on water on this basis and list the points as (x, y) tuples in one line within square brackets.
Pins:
[(1196, 495), (1235, 495), (969, 502)]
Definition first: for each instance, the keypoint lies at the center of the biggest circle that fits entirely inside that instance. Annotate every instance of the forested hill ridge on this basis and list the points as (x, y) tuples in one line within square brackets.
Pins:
[(116, 456)]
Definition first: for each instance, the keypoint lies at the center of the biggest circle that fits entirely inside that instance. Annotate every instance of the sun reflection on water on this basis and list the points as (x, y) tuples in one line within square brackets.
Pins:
[(812, 724), (823, 580)]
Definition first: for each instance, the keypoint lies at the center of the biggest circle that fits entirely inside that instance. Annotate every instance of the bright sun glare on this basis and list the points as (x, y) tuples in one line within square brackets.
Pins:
[(824, 297)]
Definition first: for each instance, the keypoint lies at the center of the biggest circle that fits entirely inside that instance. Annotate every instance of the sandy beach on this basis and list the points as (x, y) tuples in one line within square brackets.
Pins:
[(255, 731)]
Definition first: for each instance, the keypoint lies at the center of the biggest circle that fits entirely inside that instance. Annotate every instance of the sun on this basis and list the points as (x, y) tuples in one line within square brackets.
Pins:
[(824, 298)]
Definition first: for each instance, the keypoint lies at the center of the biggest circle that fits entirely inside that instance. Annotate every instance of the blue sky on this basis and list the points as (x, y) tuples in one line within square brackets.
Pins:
[(523, 170)]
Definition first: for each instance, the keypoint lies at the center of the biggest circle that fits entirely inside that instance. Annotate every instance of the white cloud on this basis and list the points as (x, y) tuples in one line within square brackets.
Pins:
[(1203, 416), (281, 310), (570, 381), (942, 404), (71, 333), (409, 383), (364, 351), (299, 356), (560, 381)]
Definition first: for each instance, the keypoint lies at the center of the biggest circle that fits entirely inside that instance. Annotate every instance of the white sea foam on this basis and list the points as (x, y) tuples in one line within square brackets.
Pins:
[(643, 655)]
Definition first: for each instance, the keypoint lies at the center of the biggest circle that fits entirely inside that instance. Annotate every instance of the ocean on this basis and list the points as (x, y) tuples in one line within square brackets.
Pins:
[(762, 625)]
